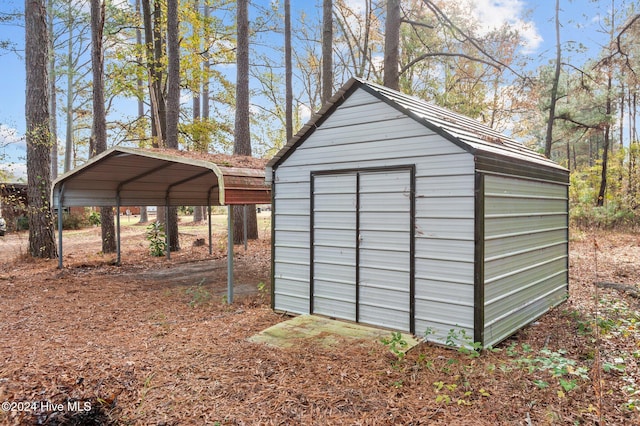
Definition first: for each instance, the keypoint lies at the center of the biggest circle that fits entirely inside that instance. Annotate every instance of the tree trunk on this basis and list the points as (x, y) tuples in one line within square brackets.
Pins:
[(199, 214), (602, 192), (238, 223), (207, 71), (242, 133), (68, 147), (148, 42), (144, 217), (392, 45), (173, 74), (139, 81), (196, 89), (205, 103), (53, 121), (554, 89), (99, 130), (158, 77), (173, 106), (327, 50), (153, 43), (41, 231), (288, 73)]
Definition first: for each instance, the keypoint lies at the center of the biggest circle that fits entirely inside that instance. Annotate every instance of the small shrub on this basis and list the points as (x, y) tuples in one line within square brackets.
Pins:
[(94, 219), (396, 344), (74, 221), (156, 237), (22, 223), (610, 216)]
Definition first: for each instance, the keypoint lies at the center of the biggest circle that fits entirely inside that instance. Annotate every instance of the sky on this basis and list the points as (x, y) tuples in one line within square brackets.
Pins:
[(534, 18)]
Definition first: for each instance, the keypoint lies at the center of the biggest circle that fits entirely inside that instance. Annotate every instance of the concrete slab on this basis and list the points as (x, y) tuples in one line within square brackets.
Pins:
[(323, 331)]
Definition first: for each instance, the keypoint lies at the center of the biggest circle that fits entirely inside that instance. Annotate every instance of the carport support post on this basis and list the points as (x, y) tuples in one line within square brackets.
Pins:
[(60, 227), (230, 255), (244, 225), (118, 229), (209, 219), (167, 237), (210, 230)]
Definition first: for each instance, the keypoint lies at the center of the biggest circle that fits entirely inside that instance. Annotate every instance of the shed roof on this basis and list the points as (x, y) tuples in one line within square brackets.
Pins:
[(148, 177), (492, 148)]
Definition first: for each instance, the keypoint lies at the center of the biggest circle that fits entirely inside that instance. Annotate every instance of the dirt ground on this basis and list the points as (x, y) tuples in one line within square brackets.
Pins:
[(153, 341)]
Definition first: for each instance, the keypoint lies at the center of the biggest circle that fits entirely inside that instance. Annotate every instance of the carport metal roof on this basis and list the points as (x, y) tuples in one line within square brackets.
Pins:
[(157, 177)]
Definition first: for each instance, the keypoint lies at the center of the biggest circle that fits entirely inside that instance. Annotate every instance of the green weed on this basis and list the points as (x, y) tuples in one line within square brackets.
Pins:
[(396, 344), (156, 237), (199, 295)]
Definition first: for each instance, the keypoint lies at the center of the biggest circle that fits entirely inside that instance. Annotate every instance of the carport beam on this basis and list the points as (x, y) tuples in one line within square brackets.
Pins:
[(230, 255)]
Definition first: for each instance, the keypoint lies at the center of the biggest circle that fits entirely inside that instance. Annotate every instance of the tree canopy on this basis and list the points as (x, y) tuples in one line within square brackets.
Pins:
[(579, 110)]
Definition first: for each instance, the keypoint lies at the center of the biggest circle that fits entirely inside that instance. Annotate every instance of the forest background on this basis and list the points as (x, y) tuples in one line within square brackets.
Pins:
[(579, 107)]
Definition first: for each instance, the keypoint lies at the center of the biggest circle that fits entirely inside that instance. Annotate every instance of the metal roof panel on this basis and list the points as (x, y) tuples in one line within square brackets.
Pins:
[(130, 176)]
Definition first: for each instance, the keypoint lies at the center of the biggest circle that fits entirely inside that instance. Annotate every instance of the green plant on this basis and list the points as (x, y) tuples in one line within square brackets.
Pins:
[(541, 384), (263, 289), (146, 387), (73, 221), (396, 344), (199, 295), (565, 370), (156, 237), (448, 393), (568, 385), (22, 223), (398, 384), (617, 365), (464, 342), (94, 219), (423, 360)]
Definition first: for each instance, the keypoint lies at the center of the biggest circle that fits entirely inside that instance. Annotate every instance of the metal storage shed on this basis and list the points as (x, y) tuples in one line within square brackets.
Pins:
[(390, 211)]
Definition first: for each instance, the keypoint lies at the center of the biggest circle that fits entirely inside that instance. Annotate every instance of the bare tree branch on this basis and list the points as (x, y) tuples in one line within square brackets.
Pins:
[(442, 17), (432, 54)]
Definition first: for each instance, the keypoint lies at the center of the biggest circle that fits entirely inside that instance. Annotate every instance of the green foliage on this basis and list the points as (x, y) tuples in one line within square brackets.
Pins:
[(73, 221), (616, 213), (23, 223), (396, 344), (157, 239), (464, 342), (449, 393), (198, 294), (95, 219)]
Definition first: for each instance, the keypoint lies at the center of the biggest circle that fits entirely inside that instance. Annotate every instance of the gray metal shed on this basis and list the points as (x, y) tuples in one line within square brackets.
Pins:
[(390, 211)]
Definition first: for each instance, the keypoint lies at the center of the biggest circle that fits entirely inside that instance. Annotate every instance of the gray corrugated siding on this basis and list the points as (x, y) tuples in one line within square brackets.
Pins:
[(364, 132), (334, 260), (384, 246), (526, 249)]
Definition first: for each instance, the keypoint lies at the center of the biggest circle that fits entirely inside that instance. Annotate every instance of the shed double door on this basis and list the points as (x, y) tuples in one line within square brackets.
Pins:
[(362, 247)]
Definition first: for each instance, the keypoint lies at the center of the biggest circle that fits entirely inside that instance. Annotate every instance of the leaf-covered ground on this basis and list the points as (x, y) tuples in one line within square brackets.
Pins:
[(152, 342)]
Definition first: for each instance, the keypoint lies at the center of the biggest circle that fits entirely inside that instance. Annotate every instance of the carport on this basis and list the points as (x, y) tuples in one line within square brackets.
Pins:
[(161, 177)]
